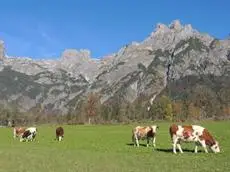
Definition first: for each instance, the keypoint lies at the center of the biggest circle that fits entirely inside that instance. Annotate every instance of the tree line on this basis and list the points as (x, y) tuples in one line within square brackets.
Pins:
[(200, 106)]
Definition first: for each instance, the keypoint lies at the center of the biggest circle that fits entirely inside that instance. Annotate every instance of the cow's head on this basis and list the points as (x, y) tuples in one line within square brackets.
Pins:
[(154, 128), (215, 148)]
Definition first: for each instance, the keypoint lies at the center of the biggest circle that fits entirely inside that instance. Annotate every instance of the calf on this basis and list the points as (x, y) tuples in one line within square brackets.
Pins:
[(18, 131), (192, 133), (59, 133), (29, 134), (142, 133)]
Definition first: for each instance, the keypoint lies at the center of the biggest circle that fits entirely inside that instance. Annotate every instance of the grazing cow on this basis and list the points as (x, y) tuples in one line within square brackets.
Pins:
[(59, 133), (142, 133), (18, 131), (29, 134), (192, 133)]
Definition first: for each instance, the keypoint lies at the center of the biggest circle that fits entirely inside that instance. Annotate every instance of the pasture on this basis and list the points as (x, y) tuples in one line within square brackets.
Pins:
[(108, 148)]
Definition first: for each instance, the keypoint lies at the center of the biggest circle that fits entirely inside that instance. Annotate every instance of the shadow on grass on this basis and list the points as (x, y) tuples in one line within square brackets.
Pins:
[(132, 144), (170, 150)]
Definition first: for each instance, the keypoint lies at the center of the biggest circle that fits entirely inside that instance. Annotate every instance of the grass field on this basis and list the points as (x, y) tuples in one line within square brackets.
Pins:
[(108, 148)]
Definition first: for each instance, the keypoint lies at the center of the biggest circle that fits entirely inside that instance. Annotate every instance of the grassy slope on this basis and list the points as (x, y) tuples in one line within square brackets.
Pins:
[(106, 148)]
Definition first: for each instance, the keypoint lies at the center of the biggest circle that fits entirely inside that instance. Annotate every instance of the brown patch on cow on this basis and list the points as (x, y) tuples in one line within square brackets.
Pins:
[(187, 131), (173, 129), (150, 132), (209, 140), (59, 132), (26, 134), (19, 131)]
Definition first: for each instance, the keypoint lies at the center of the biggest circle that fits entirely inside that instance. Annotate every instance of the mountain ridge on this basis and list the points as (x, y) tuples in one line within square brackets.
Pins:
[(168, 54)]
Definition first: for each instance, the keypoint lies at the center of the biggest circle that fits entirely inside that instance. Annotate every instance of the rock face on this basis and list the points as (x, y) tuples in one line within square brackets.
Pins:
[(2, 50), (170, 54)]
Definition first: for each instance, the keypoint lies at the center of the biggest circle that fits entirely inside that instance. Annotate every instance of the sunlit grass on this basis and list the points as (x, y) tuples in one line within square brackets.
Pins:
[(108, 148)]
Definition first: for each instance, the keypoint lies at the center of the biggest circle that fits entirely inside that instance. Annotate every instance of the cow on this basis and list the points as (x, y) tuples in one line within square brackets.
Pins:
[(59, 133), (192, 133), (29, 134), (18, 131), (144, 132)]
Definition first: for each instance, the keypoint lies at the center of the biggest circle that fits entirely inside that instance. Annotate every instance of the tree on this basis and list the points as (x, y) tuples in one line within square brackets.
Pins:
[(91, 108), (166, 106), (193, 111), (177, 110)]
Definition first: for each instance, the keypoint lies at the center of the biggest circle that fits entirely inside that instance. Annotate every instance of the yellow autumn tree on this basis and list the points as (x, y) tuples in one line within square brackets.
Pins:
[(167, 109), (177, 109)]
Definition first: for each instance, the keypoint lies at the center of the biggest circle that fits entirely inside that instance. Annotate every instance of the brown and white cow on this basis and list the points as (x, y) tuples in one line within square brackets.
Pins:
[(18, 131), (192, 133), (59, 133), (29, 134), (142, 133)]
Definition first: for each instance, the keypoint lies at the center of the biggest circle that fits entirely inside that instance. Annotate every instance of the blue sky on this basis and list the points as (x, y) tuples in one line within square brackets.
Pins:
[(44, 28)]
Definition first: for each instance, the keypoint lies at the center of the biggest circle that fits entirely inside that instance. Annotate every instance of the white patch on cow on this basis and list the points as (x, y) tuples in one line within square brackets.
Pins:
[(198, 129), (32, 129), (59, 138), (180, 131), (154, 127)]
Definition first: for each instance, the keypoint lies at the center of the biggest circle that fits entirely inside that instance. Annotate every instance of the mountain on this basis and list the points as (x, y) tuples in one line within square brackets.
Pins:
[(174, 59)]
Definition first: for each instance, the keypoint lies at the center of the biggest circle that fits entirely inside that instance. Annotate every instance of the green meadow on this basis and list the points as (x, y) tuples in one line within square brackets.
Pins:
[(107, 148)]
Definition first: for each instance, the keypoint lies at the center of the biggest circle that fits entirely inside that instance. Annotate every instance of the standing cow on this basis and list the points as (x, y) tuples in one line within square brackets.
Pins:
[(142, 133), (59, 133), (18, 131), (192, 133), (29, 134)]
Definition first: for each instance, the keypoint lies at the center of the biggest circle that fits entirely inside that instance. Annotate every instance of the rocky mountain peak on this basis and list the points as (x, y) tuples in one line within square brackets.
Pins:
[(176, 25), (2, 50), (81, 55)]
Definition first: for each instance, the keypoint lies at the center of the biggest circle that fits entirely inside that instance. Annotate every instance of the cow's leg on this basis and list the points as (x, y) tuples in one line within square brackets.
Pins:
[(59, 138), (179, 147), (202, 142), (196, 147), (136, 140), (147, 145), (175, 139), (154, 142), (15, 133), (133, 139)]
